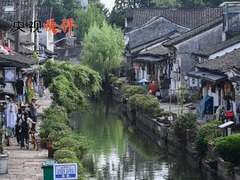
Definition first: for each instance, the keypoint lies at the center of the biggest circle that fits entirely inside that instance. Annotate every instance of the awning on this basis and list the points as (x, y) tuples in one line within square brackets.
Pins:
[(30, 70), (205, 102), (147, 59), (229, 123), (235, 79), (215, 78)]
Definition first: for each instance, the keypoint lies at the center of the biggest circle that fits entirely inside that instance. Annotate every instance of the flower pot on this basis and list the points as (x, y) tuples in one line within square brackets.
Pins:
[(43, 145), (4, 163), (48, 144), (51, 152)]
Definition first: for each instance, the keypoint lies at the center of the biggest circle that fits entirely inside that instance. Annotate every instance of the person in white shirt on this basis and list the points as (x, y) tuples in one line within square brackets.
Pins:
[(11, 117)]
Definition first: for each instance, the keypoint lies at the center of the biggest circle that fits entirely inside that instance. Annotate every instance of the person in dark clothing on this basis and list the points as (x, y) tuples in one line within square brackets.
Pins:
[(33, 110), (19, 86), (26, 124), (18, 126)]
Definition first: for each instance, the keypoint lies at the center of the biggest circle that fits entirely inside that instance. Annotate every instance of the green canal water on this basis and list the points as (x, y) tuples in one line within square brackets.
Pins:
[(120, 152)]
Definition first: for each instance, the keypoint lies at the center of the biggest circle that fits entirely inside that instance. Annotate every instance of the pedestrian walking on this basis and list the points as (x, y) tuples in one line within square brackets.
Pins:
[(33, 111), (153, 88), (18, 125), (26, 124), (11, 117)]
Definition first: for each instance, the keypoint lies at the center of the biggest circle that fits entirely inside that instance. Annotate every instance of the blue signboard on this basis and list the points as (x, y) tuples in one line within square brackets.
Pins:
[(65, 171)]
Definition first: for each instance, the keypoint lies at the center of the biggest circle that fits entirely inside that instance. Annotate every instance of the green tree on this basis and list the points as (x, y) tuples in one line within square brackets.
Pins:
[(140, 3), (183, 122), (213, 3), (62, 8), (192, 3), (182, 91), (207, 133), (71, 85), (164, 3), (103, 48), (87, 18), (117, 14)]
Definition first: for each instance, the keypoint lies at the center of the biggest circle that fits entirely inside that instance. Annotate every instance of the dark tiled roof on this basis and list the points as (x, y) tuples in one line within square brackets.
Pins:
[(48, 52), (208, 76), (5, 25), (43, 12), (129, 13), (194, 32), (156, 51), (218, 47), (156, 29), (222, 64), (15, 59), (23, 39), (68, 52), (190, 18), (25, 51), (150, 59)]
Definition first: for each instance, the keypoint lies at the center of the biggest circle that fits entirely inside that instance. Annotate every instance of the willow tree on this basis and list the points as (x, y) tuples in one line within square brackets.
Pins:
[(71, 85), (103, 49), (86, 18)]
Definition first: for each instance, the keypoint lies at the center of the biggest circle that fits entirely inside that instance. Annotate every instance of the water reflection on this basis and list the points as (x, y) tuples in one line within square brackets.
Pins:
[(120, 152)]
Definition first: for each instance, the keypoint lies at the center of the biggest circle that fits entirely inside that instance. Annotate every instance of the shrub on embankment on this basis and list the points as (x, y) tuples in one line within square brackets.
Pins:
[(68, 146), (139, 98), (130, 90), (71, 85), (228, 148), (207, 133), (182, 123), (146, 104)]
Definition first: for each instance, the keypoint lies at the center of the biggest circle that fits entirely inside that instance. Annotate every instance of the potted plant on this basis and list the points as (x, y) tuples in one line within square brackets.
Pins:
[(43, 142)]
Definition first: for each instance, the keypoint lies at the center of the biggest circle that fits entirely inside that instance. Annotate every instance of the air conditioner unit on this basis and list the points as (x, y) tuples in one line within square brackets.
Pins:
[(193, 82), (175, 68)]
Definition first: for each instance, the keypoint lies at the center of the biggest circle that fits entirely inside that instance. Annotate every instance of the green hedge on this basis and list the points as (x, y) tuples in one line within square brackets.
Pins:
[(206, 134), (228, 148), (68, 146), (138, 99), (149, 106), (183, 122), (132, 90)]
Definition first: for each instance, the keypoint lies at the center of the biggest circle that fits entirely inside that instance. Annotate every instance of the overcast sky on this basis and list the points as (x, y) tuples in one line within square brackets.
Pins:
[(108, 3)]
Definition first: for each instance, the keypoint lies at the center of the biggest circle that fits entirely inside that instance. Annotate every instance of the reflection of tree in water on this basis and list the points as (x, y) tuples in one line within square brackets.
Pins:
[(120, 152), (147, 160), (106, 132)]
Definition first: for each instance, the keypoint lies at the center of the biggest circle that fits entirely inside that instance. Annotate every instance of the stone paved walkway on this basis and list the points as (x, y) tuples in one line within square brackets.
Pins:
[(26, 164)]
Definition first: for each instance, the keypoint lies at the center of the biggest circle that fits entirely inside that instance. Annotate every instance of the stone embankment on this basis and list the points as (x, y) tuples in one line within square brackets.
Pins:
[(25, 164)]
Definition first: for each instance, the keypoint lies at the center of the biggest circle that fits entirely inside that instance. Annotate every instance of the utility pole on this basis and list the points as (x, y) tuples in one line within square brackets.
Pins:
[(35, 38), (17, 33)]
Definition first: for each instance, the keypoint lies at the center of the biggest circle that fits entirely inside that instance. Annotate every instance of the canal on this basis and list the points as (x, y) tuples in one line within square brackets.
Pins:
[(121, 152)]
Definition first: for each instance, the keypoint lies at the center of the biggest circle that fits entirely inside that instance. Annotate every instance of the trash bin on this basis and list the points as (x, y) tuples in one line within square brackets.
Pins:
[(48, 170)]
